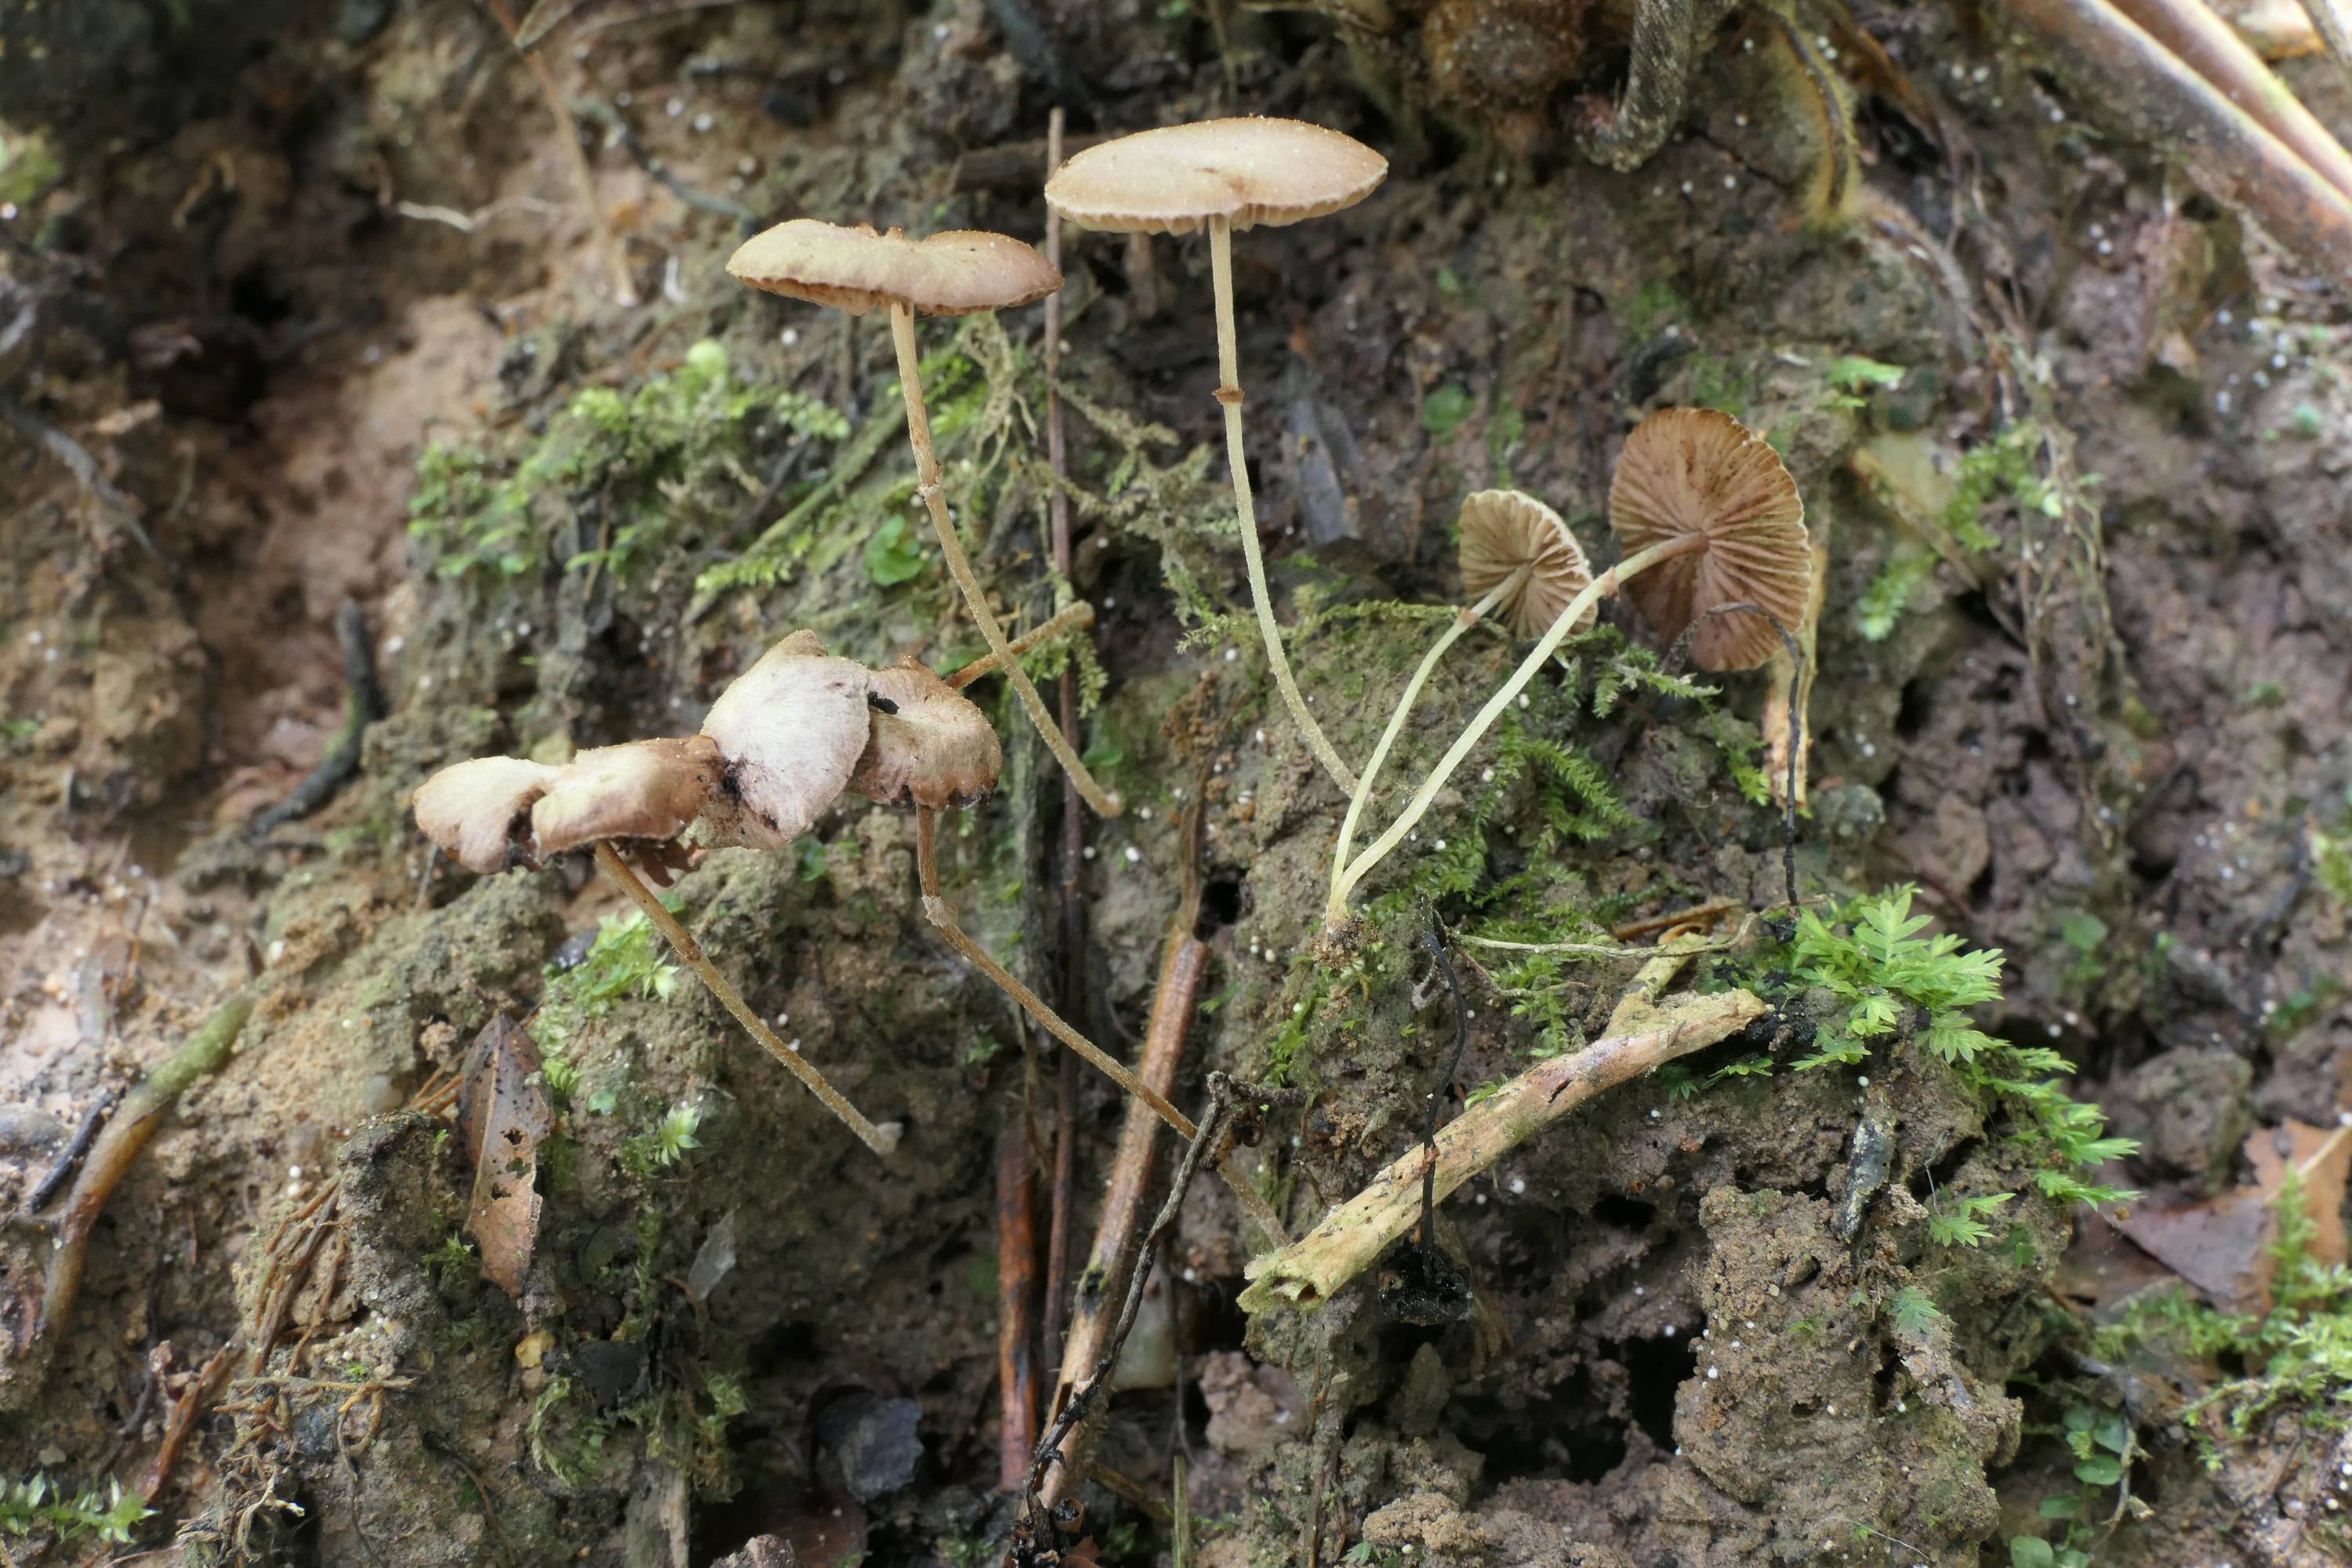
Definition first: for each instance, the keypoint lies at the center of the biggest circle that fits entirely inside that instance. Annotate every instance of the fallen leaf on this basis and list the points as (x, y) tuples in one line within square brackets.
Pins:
[(2223, 1248), (503, 1116)]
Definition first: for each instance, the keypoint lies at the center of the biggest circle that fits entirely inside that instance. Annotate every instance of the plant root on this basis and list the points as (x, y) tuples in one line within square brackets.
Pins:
[(362, 705), (1307, 1274)]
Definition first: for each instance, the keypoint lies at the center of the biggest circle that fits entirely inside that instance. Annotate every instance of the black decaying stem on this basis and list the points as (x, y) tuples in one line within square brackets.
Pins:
[(362, 706), (1796, 724)]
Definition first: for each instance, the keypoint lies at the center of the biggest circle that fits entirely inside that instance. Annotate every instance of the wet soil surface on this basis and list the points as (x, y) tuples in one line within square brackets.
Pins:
[(332, 323)]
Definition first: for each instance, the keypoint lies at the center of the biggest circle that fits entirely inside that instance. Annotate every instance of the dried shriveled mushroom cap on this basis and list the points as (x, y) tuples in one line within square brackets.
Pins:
[(855, 269), (930, 745), (1693, 472), (1503, 530), (646, 789), (1250, 171), (479, 811), (791, 729)]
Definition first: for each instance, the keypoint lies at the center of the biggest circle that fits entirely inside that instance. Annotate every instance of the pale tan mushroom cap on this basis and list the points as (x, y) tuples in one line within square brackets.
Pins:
[(1503, 530), (477, 810), (855, 269), (1251, 171), (1695, 470), (791, 729), (937, 749), (646, 789)]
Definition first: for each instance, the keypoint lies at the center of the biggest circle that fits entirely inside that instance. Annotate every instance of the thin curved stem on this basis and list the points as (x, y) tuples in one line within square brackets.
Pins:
[(1363, 793), (926, 481), (1076, 617), (881, 1140), (1602, 587), (942, 914), (1229, 393)]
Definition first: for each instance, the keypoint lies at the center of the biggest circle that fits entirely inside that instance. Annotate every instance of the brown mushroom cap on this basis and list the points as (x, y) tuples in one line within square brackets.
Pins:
[(477, 810), (855, 269), (791, 729), (1250, 171), (1693, 471), (1503, 530), (646, 789), (931, 745)]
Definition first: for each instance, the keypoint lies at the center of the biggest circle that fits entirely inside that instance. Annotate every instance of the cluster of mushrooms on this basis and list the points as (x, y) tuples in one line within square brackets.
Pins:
[(1709, 521)]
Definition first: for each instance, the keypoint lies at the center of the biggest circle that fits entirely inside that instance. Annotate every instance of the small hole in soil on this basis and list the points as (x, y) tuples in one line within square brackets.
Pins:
[(1919, 703), (1221, 904), (1624, 1213), (254, 295), (1570, 1436), (782, 1345), (1655, 1369)]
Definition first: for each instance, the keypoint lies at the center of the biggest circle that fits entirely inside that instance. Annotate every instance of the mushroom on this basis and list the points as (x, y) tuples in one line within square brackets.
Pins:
[(479, 811), (951, 274), (791, 729), (932, 748), (1696, 491), (1519, 557), (1226, 174), (928, 745), (648, 790), (1710, 491)]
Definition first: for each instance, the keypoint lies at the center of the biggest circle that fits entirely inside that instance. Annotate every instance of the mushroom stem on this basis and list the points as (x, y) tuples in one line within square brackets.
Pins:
[(1454, 629), (1229, 394), (926, 476), (1078, 617), (881, 1140), (1601, 588), (942, 914)]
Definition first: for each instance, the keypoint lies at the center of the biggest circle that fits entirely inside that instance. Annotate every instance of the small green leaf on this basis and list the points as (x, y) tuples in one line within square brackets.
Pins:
[(1443, 410), (893, 554), (2099, 1471), (2063, 1507), (2030, 1552)]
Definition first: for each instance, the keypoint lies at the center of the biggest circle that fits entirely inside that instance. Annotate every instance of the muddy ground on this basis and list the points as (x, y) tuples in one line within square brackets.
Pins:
[(320, 298)]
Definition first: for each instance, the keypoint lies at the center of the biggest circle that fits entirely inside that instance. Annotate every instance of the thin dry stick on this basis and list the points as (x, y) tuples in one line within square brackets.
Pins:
[(1049, 1448), (2161, 101), (2335, 30), (2196, 32), (1016, 1304), (881, 1140), (1309, 1273), (1229, 395), (942, 914), (1680, 945), (1072, 902), (926, 476), (182, 1423), (1183, 967), (567, 130), (1076, 617)]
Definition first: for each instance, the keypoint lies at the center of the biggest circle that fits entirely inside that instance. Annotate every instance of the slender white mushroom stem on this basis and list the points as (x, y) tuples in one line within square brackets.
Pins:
[(1454, 629), (881, 1140), (1606, 585), (1229, 393), (1078, 618), (942, 915), (926, 476)]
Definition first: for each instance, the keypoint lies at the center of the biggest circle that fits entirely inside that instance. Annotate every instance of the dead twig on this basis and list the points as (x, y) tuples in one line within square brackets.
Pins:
[(2126, 76), (1016, 1303), (177, 1431), (1076, 617), (2196, 32), (1308, 1273), (72, 1157)]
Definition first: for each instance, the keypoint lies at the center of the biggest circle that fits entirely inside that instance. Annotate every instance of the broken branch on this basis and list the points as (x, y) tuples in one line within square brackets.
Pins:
[(1309, 1273)]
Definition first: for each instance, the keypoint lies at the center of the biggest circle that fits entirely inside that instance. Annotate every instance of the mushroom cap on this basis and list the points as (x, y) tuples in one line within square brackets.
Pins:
[(1249, 170), (791, 729), (1503, 530), (646, 789), (1688, 471), (932, 746), (855, 269), (477, 810)]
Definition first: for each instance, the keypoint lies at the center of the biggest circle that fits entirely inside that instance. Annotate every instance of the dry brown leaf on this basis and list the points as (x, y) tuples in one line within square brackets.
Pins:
[(2223, 1248), (503, 1116)]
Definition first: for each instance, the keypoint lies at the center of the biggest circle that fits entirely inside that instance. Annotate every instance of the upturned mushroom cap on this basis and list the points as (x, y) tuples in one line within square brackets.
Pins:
[(1250, 171), (1503, 530), (855, 269), (479, 811), (646, 789), (930, 745), (1693, 471), (791, 729)]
